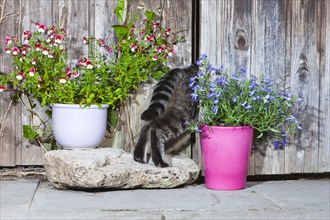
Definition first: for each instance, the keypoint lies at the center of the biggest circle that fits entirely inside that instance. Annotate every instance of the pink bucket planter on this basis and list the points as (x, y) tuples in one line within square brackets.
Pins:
[(225, 154)]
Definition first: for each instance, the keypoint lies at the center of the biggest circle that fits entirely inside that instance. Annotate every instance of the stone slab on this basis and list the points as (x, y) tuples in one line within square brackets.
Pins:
[(112, 168), (17, 195)]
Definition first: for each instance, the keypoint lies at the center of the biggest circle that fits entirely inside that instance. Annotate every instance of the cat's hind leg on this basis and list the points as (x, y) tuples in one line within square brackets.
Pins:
[(140, 147), (157, 148)]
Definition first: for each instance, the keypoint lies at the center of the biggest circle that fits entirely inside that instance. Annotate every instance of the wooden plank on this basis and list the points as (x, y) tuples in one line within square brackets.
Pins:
[(76, 24), (268, 58), (208, 29), (103, 20), (304, 81), (8, 141), (41, 12), (324, 110), (7, 138)]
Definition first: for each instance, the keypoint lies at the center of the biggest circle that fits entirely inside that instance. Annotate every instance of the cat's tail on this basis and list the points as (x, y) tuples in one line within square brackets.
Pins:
[(160, 97)]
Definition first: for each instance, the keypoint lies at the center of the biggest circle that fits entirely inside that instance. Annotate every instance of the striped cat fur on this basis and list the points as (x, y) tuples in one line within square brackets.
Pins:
[(171, 107)]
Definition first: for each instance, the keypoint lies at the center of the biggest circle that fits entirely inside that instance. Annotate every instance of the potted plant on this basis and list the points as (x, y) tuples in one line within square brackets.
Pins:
[(232, 108), (41, 72)]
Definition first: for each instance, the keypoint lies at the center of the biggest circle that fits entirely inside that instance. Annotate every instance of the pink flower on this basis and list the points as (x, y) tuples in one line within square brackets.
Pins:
[(24, 50), (39, 78), (38, 47), (101, 42), (32, 71), (27, 34), (155, 25), (44, 51), (150, 38), (8, 40), (144, 21), (51, 55), (85, 40), (89, 65), (68, 72), (34, 62), (62, 80), (167, 31), (82, 61), (58, 39), (39, 84), (8, 51), (142, 49), (15, 51), (154, 58), (51, 31), (63, 32), (75, 74), (133, 47), (2, 88), (41, 28), (170, 53), (159, 49), (142, 33), (109, 49), (20, 76), (22, 58)]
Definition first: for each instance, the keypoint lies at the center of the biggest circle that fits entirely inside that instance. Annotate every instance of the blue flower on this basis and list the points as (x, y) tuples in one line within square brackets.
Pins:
[(266, 98), (210, 68), (246, 105), (234, 99), (256, 98), (241, 70), (194, 97), (276, 145), (192, 83), (200, 74), (284, 141), (203, 56), (198, 62), (215, 109), (265, 89), (253, 84)]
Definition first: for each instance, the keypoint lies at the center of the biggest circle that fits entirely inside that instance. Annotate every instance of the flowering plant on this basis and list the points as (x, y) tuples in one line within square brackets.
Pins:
[(144, 51), (40, 70), (236, 100)]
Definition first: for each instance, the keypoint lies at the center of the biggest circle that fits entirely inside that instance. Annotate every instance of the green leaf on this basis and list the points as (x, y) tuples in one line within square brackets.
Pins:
[(119, 10), (112, 118), (150, 15), (28, 132), (120, 30)]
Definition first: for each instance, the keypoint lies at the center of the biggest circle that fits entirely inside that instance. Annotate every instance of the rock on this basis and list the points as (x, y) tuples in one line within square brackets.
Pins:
[(113, 168)]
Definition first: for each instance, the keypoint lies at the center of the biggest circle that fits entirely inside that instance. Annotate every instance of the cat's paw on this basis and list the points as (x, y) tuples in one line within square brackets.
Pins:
[(138, 157)]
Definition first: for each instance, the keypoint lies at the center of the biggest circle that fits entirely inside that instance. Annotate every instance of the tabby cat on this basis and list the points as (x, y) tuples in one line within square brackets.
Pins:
[(171, 107)]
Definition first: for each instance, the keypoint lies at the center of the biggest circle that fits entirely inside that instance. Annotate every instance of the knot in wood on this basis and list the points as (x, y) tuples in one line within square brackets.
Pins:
[(303, 70), (241, 41)]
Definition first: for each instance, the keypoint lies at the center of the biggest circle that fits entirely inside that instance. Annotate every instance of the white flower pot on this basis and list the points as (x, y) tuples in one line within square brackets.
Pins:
[(76, 127)]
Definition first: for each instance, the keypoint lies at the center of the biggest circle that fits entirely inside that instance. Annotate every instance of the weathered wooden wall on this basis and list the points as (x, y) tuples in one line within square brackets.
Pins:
[(287, 40), (284, 39)]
